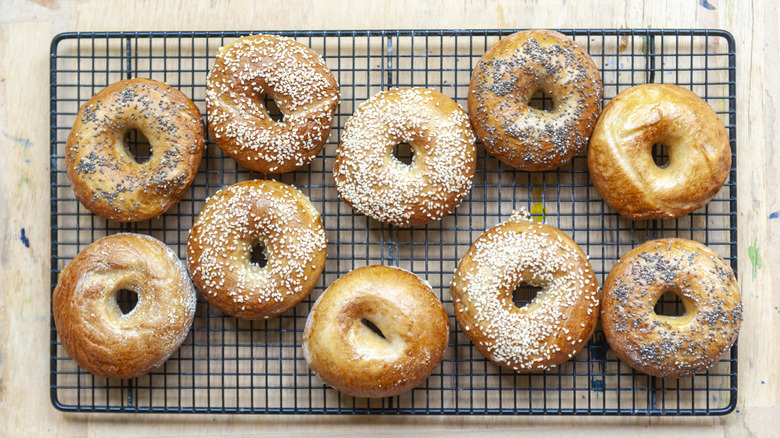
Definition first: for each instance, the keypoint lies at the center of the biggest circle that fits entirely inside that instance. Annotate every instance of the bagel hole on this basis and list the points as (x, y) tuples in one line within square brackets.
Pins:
[(273, 109), (670, 304), (404, 153), (660, 155), (371, 326), (126, 300), (524, 294), (138, 146), (541, 101), (258, 257)]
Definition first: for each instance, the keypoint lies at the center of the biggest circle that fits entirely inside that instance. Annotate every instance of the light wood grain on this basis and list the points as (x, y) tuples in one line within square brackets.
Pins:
[(26, 29)]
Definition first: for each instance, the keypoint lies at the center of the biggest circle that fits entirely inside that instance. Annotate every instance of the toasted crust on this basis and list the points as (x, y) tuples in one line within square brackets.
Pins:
[(620, 153), (278, 217), (350, 357), (92, 328), (555, 325), (664, 346), (370, 180), (507, 77), (296, 78), (105, 178)]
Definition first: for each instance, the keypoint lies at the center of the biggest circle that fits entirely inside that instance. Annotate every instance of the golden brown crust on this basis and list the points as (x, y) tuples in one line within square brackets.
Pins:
[(105, 178), (373, 182), (299, 82), (278, 217), (507, 77), (347, 355), (92, 328), (555, 325), (664, 346), (620, 153)]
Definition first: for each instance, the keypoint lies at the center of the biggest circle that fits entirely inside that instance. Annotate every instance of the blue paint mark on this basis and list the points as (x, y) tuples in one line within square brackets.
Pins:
[(738, 411), (23, 142), (24, 239), (774, 215), (714, 398), (762, 382), (598, 385), (707, 5)]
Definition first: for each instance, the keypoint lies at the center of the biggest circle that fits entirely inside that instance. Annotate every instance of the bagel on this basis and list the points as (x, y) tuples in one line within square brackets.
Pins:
[(671, 346), (299, 82), (620, 157), (92, 328), (555, 325), (373, 182), (237, 218), (507, 77), (106, 178), (407, 344)]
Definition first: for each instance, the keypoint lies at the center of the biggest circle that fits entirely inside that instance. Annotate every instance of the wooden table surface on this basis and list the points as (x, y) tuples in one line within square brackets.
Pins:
[(26, 30)]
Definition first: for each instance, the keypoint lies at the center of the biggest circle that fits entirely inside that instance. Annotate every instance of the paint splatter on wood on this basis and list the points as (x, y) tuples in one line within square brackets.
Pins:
[(623, 44), (538, 211), (24, 239), (755, 258), (49, 4), (707, 5)]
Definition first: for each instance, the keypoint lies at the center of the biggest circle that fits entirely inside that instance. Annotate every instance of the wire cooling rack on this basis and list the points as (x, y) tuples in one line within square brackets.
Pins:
[(231, 366)]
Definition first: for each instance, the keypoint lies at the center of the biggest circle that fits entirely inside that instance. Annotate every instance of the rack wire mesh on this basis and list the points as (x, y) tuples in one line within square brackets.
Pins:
[(233, 366)]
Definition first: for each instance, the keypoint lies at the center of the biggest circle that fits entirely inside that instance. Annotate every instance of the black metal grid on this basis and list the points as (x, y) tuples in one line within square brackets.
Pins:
[(231, 366)]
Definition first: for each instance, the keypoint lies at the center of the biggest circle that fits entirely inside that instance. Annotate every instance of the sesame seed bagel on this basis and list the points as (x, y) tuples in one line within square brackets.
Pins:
[(299, 82), (671, 346), (555, 325), (106, 178), (620, 156), (373, 182), (91, 326), (347, 354), (507, 77), (237, 218)]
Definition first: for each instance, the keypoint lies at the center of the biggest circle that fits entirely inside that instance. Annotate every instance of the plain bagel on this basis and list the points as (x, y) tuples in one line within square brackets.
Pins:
[(96, 333), (406, 343), (620, 153)]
